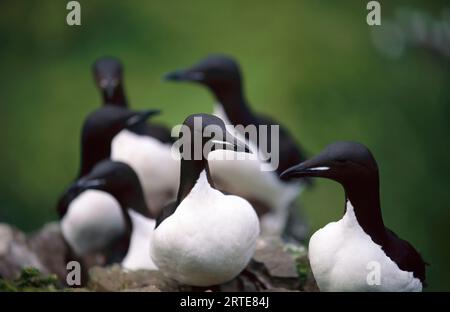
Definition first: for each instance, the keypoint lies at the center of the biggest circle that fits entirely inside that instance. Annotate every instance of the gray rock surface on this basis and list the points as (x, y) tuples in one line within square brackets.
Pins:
[(113, 278), (15, 253), (274, 267), (50, 248)]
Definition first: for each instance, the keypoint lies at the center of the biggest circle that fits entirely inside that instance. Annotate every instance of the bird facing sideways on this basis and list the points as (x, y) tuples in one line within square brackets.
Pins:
[(99, 129), (108, 77), (270, 196), (204, 238), (146, 147), (108, 213), (343, 253)]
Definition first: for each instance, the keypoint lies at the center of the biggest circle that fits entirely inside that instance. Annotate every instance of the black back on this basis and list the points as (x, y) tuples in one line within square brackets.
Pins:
[(99, 129), (154, 130), (118, 179)]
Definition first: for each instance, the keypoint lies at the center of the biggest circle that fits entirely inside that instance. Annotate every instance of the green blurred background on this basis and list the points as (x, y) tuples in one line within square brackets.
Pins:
[(311, 64)]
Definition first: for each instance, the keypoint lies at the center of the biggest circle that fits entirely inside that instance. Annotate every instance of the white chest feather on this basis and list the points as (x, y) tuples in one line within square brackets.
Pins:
[(344, 258), (138, 256), (154, 164), (246, 178), (208, 240), (93, 221)]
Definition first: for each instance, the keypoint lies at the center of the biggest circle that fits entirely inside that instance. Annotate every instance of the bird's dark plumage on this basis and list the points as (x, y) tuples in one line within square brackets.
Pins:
[(108, 75), (354, 167)]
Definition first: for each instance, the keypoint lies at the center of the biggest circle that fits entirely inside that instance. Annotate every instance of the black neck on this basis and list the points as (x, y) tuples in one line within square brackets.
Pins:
[(119, 249), (91, 154), (133, 199), (189, 174), (118, 98), (365, 199), (232, 99)]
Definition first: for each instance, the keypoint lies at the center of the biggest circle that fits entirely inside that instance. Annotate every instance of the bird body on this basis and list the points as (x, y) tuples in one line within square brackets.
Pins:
[(358, 253), (145, 147), (105, 213), (157, 169), (204, 238), (244, 176), (342, 257), (93, 221), (209, 239)]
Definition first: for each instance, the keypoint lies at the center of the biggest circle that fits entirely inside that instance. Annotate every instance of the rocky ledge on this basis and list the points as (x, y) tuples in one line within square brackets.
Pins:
[(37, 262)]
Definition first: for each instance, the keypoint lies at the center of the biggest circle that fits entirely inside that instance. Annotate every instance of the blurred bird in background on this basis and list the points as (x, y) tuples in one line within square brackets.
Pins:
[(91, 221), (272, 198), (146, 147)]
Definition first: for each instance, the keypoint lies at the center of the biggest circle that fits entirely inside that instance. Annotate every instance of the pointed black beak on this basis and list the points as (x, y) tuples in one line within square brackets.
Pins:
[(174, 76), (140, 117), (306, 169), (184, 75)]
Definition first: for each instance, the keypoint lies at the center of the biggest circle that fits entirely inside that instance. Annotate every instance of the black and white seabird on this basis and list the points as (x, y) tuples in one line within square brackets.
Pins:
[(205, 238), (108, 76), (343, 253), (146, 147), (107, 212), (222, 76), (98, 130)]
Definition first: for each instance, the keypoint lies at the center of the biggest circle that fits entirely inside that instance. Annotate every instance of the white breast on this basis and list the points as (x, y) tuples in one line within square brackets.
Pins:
[(344, 258), (208, 240), (152, 160), (246, 179), (92, 222), (138, 256)]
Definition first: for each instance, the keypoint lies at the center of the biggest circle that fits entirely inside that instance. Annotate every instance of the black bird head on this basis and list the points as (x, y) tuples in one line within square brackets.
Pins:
[(101, 126), (211, 131), (348, 163), (216, 72), (108, 73), (199, 135), (119, 180)]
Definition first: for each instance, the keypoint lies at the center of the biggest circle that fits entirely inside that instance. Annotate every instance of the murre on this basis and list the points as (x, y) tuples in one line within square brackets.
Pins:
[(342, 253), (205, 237)]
